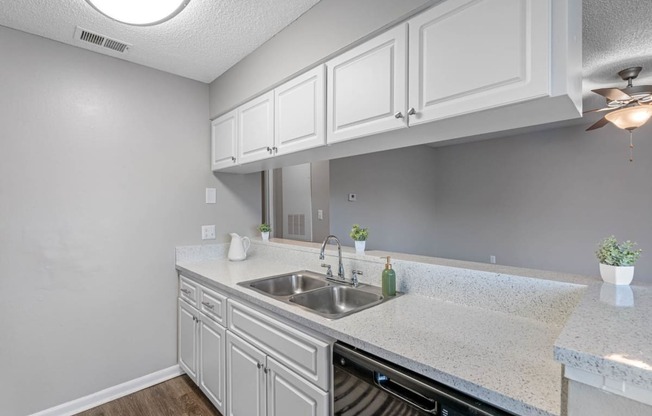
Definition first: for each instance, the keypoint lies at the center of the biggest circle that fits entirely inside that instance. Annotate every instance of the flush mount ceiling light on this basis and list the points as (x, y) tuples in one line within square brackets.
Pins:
[(629, 108), (139, 12)]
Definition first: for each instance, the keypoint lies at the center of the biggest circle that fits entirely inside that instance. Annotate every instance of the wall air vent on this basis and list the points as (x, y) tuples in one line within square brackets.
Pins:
[(87, 37)]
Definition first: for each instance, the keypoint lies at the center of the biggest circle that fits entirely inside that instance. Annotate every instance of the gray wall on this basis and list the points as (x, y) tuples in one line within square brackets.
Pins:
[(395, 199), (104, 165), (544, 200), (320, 197), (538, 200), (322, 31)]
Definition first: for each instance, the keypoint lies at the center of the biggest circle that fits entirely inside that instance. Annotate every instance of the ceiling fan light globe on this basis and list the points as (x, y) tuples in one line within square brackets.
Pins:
[(630, 118)]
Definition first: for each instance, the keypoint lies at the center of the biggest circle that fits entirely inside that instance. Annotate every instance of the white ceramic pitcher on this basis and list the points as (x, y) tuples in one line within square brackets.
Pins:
[(239, 247)]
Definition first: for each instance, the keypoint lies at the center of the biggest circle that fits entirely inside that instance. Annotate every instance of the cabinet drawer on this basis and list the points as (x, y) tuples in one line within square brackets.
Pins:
[(188, 291), (303, 353), (213, 305)]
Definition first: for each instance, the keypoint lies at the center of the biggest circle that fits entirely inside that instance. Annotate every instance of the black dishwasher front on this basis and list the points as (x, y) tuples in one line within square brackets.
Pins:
[(365, 385)]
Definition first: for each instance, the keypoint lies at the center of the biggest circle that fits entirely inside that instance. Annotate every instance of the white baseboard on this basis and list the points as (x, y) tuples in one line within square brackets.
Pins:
[(92, 400)]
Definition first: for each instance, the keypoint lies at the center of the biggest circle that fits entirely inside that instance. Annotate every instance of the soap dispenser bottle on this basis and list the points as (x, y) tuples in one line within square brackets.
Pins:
[(389, 279)]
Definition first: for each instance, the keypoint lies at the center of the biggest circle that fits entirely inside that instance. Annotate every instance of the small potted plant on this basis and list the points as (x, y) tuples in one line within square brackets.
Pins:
[(617, 260), (359, 235), (264, 231)]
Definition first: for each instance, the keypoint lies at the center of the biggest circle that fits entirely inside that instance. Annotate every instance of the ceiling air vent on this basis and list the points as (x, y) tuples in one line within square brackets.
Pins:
[(100, 41)]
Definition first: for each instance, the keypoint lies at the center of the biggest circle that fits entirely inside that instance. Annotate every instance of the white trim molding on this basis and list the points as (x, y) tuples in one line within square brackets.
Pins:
[(619, 387), (93, 400)]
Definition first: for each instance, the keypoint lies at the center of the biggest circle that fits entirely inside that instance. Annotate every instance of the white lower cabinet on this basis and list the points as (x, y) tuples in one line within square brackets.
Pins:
[(187, 339), (289, 394), (245, 378), (254, 365), (202, 344), (290, 369), (212, 361)]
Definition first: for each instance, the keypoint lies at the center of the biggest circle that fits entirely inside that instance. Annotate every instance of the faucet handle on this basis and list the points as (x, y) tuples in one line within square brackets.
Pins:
[(329, 271), (354, 278)]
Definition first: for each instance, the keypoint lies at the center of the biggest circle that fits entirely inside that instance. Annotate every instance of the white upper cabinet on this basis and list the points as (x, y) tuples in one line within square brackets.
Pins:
[(367, 87), (471, 55), (300, 111), (256, 128), (224, 136)]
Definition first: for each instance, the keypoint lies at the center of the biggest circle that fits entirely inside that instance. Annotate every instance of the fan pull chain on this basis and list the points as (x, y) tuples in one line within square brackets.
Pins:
[(631, 146)]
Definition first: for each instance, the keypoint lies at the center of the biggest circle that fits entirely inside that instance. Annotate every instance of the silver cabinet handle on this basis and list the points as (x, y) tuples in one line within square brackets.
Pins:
[(208, 305), (398, 114), (269, 150), (259, 365), (411, 111), (233, 159), (265, 370), (186, 291), (275, 149)]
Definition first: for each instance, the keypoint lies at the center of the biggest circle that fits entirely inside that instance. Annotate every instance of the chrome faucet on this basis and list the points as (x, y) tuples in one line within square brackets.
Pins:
[(340, 271)]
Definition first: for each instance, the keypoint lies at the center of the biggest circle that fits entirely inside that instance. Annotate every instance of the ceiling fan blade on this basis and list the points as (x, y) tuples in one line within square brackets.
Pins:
[(638, 89), (613, 94), (597, 110), (601, 123)]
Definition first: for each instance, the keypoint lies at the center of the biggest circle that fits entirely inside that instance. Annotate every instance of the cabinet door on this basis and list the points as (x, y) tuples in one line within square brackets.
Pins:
[(289, 394), (224, 136), (212, 362), (471, 55), (367, 87), (300, 114), (245, 380), (187, 338), (256, 128)]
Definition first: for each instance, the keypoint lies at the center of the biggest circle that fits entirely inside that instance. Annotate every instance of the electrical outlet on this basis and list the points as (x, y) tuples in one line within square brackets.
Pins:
[(492, 259), (353, 197), (208, 232)]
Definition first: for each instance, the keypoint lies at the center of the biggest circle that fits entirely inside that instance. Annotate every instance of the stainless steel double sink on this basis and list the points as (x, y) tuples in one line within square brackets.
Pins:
[(311, 291)]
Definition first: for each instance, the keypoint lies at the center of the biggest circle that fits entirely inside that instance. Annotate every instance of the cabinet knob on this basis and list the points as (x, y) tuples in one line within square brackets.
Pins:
[(411, 111), (398, 114), (269, 150), (233, 159), (275, 149), (259, 365), (265, 370)]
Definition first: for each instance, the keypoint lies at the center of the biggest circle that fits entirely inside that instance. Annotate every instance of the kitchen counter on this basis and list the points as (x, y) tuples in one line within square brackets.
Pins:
[(499, 352), (608, 338)]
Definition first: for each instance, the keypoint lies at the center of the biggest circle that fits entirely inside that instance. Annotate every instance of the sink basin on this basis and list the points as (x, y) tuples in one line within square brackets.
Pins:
[(288, 284), (336, 301), (311, 291)]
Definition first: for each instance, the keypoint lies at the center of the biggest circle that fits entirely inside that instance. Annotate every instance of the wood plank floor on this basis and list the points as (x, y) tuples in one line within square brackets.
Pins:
[(176, 397)]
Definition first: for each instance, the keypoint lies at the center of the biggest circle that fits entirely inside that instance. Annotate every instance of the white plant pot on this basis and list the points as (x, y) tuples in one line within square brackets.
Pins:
[(359, 247), (617, 275), (265, 235)]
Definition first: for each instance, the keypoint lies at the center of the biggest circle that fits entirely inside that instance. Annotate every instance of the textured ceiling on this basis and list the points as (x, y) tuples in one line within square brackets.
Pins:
[(210, 36), (201, 43), (617, 34)]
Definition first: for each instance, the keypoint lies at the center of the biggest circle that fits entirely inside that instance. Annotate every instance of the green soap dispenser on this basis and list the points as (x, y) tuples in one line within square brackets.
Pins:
[(389, 279)]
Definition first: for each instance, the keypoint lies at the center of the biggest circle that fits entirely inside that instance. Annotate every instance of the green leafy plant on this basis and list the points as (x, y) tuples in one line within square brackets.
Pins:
[(358, 233), (264, 228), (612, 253)]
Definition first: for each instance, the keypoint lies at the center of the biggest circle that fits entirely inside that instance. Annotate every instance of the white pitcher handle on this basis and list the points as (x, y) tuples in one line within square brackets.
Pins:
[(246, 242)]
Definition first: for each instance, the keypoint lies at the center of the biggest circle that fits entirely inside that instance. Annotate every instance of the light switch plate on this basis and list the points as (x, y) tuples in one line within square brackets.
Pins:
[(208, 232), (211, 195)]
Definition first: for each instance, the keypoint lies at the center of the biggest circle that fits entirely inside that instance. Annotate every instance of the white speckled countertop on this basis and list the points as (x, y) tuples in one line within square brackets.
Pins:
[(610, 334), (486, 330)]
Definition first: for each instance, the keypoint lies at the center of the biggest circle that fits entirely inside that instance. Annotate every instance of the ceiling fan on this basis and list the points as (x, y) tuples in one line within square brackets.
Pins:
[(629, 107)]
